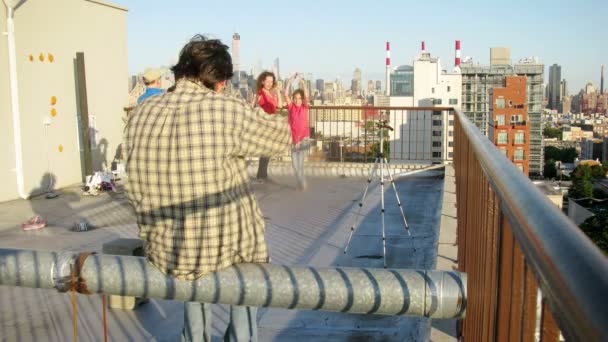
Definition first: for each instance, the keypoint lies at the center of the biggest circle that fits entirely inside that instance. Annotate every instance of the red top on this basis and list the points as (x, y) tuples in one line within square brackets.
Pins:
[(298, 120), (268, 101)]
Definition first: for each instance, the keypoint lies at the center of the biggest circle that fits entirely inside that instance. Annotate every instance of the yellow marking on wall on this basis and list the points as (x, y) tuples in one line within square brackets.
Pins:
[(53, 100), (60, 148), (31, 58), (51, 57), (53, 112), (41, 57)]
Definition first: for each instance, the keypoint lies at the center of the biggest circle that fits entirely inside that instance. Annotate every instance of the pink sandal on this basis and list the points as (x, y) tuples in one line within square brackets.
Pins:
[(34, 223)]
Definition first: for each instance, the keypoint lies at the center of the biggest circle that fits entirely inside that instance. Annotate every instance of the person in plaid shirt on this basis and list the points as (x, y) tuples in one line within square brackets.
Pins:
[(188, 183)]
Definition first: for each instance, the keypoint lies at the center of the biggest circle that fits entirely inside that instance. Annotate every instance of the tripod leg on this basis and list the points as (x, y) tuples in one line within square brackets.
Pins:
[(382, 210), (372, 171), (407, 227)]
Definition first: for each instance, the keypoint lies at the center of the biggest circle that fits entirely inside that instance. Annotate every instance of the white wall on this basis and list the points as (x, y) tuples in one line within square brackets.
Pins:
[(429, 83), (63, 28)]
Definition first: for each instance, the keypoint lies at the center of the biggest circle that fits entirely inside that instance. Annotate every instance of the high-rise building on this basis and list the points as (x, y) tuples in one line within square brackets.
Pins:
[(370, 87), (509, 127), (378, 86), (275, 68), (602, 81), (424, 135), (553, 88), (320, 86), (402, 81), (477, 80), (236, 57), (563, 95), (357, 82)]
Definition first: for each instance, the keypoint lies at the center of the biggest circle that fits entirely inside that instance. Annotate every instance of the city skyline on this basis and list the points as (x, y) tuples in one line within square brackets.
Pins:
[(351, 36)]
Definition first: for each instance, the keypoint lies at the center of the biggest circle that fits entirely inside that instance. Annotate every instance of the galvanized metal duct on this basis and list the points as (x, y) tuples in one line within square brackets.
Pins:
[(433, 294)]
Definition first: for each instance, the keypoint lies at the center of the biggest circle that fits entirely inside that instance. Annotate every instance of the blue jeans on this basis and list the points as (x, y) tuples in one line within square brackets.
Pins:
[(242, 325), (298, 153)]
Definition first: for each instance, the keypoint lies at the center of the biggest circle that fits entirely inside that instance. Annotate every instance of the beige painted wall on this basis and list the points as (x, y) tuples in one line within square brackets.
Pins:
[(63, 28)]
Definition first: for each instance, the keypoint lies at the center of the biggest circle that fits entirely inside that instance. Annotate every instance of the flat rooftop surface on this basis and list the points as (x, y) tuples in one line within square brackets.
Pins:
[(304, 228)]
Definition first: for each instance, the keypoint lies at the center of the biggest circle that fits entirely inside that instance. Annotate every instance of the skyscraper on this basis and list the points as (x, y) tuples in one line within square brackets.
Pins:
[(320, 86), (370, 87), (236, 56), (553, 88), (356, 88), (275, 68), (602, 81), (563, 92), (378, 86)]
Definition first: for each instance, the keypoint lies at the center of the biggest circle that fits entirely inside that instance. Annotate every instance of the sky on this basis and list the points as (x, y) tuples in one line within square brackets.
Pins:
[(331, 38)]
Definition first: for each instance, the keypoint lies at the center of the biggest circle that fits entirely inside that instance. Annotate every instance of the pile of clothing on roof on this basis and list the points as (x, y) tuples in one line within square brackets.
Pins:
[(99, 182)]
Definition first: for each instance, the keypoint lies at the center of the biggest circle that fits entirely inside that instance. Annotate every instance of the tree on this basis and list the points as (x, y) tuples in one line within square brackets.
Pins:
[(598, 172), (599, 194), (550, 132), (565, 155), (582, 182), (550, 171), (596, 228)]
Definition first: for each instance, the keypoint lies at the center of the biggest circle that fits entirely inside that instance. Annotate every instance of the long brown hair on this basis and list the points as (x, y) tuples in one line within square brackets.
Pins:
[(259, 84)]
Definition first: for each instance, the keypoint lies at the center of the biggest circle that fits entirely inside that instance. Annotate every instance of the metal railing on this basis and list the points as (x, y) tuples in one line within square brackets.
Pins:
[(350, 134), (513, 240)]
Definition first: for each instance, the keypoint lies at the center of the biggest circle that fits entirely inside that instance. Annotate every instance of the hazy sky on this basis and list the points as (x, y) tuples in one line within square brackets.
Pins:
[(332, 37)]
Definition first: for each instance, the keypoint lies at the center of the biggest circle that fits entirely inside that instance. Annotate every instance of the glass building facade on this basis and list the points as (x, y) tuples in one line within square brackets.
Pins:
[(402, 81)]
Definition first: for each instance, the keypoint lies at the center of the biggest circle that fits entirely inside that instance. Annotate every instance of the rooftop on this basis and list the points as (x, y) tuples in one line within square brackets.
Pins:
[(304, 228)]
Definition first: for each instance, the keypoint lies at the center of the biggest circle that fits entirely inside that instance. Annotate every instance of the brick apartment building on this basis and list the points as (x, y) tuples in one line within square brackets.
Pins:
[(510, 126)]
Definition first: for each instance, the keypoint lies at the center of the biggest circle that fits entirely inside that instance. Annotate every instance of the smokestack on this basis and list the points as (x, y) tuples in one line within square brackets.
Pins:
[(457, 61), (388, 69), (602, 81), (423, 47)]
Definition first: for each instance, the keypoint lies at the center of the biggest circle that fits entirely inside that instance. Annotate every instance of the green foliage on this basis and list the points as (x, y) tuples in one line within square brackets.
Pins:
[(599, 194), (596, 228), (550, 132), (376, 149), (598, 172), (565, 155), (549, 170), (583, 172), (582, 182), (581, 189)]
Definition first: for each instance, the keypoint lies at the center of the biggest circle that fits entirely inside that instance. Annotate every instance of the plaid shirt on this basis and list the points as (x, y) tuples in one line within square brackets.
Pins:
[(188, 181)]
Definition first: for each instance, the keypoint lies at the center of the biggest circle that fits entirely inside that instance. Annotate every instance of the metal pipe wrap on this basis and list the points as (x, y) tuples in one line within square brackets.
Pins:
[(423, 293)]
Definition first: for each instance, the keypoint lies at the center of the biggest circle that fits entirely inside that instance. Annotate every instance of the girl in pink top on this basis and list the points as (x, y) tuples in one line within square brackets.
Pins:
[(269, 100), (297, 105)]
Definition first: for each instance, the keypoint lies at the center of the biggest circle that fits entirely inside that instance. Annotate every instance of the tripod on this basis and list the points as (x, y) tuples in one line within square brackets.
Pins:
[(380, 162)]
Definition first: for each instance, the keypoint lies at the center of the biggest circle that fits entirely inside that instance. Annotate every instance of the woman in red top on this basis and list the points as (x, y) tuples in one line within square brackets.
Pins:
[(269, 100)]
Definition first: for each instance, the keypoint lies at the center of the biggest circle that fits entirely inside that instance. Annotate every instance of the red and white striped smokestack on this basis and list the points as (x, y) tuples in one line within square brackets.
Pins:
[(388, 69), (457, 61), (423, 46)]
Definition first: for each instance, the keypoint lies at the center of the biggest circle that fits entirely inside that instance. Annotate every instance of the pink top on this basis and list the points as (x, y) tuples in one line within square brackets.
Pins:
[(269, 102), (298, 120)]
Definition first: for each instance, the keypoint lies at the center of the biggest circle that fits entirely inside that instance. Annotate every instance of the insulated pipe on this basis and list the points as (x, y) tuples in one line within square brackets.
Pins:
[(12, 64), (423, 293)]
